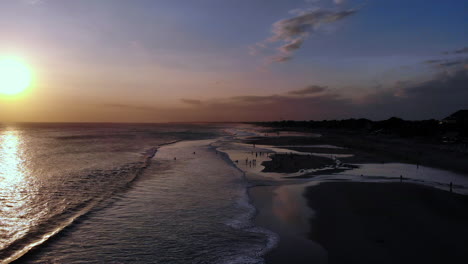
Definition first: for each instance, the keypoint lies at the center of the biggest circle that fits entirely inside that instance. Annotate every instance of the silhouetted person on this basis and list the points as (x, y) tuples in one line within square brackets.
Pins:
[(175, 158), (194, 153), (450, 186), (401, 178)]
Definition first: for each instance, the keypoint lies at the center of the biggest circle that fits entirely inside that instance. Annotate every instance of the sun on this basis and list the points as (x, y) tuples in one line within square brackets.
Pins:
[(15, 77)]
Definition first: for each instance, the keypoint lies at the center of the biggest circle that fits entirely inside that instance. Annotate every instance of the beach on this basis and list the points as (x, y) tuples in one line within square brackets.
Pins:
[(339, 216), (351, 222), (389, 223), (368, 148)]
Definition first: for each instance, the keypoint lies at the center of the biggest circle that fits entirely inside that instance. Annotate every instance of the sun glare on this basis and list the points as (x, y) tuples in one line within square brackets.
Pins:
[(15, 77)]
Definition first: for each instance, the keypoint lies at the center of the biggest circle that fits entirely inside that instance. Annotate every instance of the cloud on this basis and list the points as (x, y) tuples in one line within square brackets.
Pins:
[(191, 101), (459, 51), (280, 58), (254, 99), (129, 107), (454, 59), (339, 2), (291, 33), (436, 97), (312, 89), (447, 62), (452, 63), (33, 2)]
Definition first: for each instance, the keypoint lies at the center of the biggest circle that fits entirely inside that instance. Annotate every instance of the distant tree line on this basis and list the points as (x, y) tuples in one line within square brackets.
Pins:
[(394, 125)]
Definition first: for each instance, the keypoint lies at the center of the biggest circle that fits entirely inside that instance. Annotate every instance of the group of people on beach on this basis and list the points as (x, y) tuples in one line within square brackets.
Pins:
[(253, 162)]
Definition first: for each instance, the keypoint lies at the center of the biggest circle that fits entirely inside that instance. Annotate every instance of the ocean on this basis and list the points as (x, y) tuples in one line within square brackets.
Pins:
[(123, 193)]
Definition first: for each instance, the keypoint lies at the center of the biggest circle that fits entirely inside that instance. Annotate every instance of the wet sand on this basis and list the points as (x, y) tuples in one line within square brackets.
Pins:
[(362, 222), (290, 163), (354, 222), (375, 149), (283, 210), (389, 223)]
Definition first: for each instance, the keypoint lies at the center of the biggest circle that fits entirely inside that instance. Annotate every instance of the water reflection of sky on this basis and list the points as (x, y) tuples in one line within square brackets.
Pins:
[(290, 207)]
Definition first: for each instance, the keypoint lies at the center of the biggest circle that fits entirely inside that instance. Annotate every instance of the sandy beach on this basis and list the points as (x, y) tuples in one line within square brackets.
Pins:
[(290, 163), (389, 223), (352, 222), (374, 149), (361, 222)]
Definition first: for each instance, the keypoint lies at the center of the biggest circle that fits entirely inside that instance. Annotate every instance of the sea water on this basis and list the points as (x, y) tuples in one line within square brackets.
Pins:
[(105, 193)]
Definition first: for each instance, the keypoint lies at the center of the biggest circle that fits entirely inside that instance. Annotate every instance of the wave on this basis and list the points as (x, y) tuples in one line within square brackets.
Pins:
[(44, 231), (245, 222)]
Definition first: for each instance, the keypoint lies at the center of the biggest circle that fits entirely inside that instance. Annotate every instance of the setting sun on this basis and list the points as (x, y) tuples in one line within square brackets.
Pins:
[(15, 77)]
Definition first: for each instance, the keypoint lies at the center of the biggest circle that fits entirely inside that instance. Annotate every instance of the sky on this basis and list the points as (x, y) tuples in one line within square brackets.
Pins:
[(236, 60)]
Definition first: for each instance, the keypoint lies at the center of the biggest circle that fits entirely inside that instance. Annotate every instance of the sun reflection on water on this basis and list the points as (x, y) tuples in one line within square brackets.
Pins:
[(11, 163), (14, 188)]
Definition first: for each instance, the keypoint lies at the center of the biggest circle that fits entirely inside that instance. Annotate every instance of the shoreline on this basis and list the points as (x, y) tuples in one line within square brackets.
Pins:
[(398, 218), (373, 149)]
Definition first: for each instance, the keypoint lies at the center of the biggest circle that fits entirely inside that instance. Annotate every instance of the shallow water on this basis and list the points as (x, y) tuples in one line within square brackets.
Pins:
[(51, 174), (190, 210)]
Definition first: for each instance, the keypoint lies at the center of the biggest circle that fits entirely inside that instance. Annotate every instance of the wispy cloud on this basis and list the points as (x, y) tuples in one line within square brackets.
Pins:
[(191, 101), (312, 89), (447, 63), (453, 58), (129, 107), (33, 2), (458, 51), (291, 33)]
